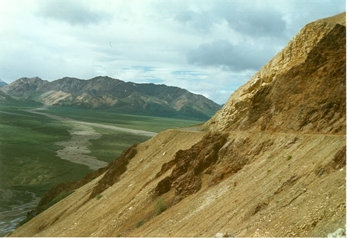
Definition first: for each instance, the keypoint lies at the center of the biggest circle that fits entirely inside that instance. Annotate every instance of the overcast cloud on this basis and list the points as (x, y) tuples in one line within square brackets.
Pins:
[(209, 47)]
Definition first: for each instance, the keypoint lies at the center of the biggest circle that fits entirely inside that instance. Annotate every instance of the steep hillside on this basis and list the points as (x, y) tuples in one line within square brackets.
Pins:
[(106, 92), (4, 97), (301, 89), (270, 163)]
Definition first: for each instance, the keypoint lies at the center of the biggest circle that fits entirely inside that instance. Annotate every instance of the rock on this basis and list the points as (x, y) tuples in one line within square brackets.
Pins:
[(301, 89)]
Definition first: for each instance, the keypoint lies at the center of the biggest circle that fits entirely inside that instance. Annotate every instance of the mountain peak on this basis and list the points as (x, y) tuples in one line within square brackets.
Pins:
[(337, 19), (30, 80), (25, 86), (103, 78), (301, 88)]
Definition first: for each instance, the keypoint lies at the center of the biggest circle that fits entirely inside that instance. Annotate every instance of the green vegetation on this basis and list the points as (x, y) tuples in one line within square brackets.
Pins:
[(28, 162), (111, 144), (46, 206), (28, 151), (26, 219), (147, 123), (29, 165), (139, 224), (159, 206), (99, 196), (289, 157)]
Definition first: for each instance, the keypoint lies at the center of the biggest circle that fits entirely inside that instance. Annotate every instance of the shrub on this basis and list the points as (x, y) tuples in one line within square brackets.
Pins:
[(99, 196), (159, 206), (139, 223)]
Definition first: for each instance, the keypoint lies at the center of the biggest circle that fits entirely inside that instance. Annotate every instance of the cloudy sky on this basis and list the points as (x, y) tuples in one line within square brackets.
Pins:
[(210, 47)]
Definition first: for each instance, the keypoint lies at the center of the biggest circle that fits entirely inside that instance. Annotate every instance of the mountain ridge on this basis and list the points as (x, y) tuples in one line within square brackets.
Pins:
[(108, 93), (249, 107), (251, 171)]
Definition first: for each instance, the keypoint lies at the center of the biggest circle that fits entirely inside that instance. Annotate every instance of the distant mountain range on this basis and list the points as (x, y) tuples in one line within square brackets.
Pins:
[(2, 83), (113, 94)]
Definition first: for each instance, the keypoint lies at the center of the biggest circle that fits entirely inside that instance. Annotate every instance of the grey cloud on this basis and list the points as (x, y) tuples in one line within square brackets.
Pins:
[(229, 56), (241, 16), (170, 36), (258, 23), (199, 21), (72, 12)]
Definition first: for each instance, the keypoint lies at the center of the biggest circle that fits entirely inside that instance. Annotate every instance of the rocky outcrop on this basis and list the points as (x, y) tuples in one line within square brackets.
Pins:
[(302, 88), (114, 170), (189, 166), (25, 87)]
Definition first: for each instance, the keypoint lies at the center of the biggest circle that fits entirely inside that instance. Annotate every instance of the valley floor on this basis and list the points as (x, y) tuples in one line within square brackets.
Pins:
[(76, 148), (41, 147)]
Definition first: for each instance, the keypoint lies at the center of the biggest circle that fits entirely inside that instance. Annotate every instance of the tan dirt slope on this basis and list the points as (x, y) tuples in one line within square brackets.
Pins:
[(271, 162)]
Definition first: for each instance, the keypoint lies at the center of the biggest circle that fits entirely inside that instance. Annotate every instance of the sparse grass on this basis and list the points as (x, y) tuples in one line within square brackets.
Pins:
[(98, 196), (111, 144), (139, 223), (159, 206)]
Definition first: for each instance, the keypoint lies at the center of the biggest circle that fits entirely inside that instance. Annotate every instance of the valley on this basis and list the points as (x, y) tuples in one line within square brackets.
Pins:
[(270, 163), (95, 157), (41, 147)]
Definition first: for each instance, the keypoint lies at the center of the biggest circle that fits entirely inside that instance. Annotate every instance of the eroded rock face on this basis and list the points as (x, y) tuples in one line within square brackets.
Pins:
[(301, 89), (114, 170), (189, 165)]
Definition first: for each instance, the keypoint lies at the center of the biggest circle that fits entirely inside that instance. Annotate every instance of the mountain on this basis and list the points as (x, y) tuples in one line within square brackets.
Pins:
[(300, 89), (2, 83), (4, 97), (106, 92), (270, 163)]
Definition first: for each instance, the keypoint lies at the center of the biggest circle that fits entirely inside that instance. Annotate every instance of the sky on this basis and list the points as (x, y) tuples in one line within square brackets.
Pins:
[(209, 47)]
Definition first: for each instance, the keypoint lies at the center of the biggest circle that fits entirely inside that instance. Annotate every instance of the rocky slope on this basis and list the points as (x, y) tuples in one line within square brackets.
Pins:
[(271, 162), (301, 89), (4, 97), (106, 92)]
